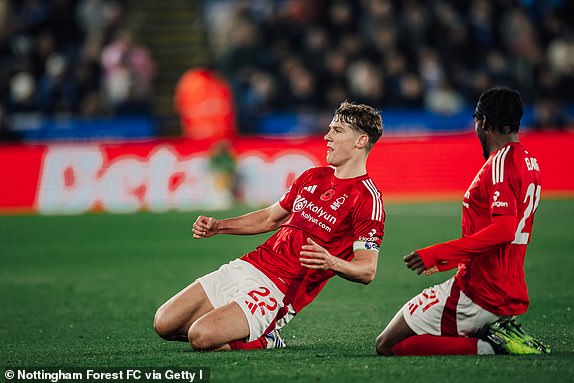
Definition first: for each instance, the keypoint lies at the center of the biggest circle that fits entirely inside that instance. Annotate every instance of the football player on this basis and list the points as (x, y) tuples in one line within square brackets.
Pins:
[(330, 222), (473, 312)]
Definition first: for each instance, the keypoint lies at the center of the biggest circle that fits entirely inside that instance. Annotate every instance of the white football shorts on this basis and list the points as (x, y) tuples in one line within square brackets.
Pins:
[(444, 310), (261, 301)]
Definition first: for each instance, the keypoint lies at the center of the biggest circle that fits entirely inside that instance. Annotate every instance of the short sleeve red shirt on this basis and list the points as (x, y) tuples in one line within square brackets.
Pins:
[(507, 184), (342, 215)]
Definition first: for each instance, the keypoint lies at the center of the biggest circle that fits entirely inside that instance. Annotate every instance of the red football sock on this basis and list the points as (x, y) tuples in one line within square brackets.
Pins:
[(436, 345), (257, 344)]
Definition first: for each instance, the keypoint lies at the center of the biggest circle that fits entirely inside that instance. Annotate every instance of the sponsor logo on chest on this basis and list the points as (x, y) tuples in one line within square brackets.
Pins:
[(320, 213)]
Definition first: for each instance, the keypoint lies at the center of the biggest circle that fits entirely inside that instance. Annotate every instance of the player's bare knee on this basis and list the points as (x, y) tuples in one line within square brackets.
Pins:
[(383, 346), (199, 338), (162, 324)]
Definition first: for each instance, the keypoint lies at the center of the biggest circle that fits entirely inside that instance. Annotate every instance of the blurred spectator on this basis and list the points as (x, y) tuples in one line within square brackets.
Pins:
[(301, 85), (103, 18), (366, 83), (205, 105), (128, 74), (22, 94), (21, 105), (443, 99), (430, 69), (560, 55), (411, 91), (55, 90)]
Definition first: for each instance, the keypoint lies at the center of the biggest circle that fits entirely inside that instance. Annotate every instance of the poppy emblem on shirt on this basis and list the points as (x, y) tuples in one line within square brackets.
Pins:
[(328, 195)]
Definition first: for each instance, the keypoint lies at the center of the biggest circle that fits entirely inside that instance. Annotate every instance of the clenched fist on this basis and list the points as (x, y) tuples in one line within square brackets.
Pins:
[(205, 227)]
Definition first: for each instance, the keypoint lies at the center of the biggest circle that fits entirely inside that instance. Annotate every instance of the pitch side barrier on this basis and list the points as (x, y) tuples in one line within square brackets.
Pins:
[(163, 175)]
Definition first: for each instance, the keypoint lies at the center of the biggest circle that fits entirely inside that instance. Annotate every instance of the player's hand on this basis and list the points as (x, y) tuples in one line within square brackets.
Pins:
[(415, 262), (431, 271), (205, 227), (316, 257)]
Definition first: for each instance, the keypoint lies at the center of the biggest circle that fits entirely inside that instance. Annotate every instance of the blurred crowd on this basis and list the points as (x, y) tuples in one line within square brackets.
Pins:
[(307, 56), (79, 58), (70, 57)]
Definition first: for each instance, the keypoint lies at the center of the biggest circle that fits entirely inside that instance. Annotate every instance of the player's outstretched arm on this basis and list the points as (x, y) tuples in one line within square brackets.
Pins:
[(260, 221), (362, 269), (446, 255)]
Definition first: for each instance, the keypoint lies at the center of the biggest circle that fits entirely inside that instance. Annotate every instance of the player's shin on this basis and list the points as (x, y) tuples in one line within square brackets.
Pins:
[(435, 345)]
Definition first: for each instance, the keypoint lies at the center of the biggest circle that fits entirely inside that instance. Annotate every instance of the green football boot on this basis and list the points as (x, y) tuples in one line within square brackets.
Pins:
[(507, 337)]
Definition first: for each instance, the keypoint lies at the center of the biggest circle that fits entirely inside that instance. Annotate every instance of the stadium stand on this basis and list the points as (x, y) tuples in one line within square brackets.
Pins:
[(432, 55), (65, 62)]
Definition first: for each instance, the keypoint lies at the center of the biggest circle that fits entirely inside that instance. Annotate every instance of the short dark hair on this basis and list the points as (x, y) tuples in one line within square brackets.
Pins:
[(362, 118), (502, 108)]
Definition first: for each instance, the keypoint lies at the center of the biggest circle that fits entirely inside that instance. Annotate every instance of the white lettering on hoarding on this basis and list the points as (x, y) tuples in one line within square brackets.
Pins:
[(65, 179), (266, 181), (79, 179)]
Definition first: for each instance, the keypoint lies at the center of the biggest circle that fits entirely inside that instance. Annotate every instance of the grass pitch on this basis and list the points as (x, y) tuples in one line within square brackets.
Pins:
[(81, 291)]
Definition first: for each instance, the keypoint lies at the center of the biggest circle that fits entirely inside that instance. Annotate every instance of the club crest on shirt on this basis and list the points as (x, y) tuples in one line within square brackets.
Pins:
[(339, 202)]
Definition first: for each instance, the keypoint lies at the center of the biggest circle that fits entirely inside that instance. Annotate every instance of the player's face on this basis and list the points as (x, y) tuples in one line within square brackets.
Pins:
[(479, 128), (341, 142)]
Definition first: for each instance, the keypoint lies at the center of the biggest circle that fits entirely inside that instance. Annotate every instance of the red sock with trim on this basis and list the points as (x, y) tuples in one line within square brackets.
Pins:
[(257, 344), (436, 345)]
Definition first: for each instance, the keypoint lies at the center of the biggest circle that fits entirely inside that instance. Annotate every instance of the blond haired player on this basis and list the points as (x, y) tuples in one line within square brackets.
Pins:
[(330, 222)]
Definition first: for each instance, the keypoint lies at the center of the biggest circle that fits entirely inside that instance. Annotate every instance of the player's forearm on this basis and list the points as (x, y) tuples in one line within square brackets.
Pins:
[(499, 232), (256, 222), (361, 271)]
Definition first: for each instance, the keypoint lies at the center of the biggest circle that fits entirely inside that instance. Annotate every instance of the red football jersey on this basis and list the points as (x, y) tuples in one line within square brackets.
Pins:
[(342, 215), (507, 184)]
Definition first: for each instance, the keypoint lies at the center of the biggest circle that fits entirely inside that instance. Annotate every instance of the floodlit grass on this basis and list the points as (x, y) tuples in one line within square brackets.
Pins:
[(81, 291)]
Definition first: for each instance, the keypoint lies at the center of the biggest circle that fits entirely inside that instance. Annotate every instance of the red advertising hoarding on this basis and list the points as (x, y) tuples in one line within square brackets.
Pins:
[(176, 174)]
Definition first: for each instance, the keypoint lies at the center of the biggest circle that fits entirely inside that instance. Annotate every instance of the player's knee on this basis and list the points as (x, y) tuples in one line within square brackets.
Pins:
[(199, 338), (383, 346), (162, 324)]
